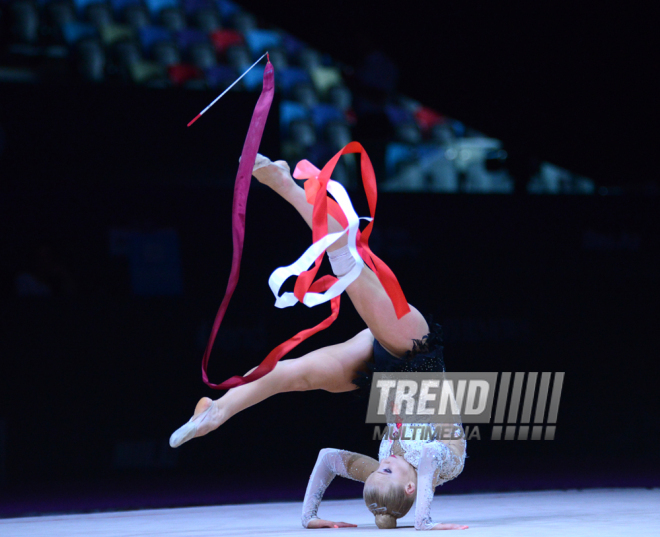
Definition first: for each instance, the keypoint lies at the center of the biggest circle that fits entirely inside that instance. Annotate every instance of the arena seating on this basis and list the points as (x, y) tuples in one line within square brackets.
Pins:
[(201, 44)]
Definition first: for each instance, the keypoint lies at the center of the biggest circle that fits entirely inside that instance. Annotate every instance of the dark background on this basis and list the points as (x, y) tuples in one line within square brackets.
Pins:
[(93, 383)]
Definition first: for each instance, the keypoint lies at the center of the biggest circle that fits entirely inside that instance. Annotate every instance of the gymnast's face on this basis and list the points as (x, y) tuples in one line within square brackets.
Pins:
[(394, 470)]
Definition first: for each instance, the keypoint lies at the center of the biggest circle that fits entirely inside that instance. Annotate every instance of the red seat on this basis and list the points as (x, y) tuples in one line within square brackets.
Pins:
[(181, 73), (223, 39), (426, 118)]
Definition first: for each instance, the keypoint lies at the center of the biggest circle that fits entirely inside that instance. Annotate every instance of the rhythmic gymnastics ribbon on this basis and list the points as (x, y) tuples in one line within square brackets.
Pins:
[(241, 189), (306, 290)]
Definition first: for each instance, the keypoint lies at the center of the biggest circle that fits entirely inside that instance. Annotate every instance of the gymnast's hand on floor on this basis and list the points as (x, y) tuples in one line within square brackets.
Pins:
[(204, 421), (316, 523), (450, 527)]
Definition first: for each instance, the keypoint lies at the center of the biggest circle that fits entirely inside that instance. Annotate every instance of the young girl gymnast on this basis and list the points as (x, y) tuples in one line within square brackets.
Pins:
[(406, 470)]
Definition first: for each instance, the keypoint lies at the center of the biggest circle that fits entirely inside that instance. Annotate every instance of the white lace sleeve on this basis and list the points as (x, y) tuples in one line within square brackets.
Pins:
[(435, 456), (332, 462)]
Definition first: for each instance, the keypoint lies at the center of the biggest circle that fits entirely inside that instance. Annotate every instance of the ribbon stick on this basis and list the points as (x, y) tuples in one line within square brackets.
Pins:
[(230, 87)]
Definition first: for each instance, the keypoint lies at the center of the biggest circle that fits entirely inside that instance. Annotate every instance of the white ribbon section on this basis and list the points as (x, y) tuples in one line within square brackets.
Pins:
[(280, 275)]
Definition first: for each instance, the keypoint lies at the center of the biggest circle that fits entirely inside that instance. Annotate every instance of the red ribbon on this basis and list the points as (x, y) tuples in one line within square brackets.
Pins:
[(316, 191)]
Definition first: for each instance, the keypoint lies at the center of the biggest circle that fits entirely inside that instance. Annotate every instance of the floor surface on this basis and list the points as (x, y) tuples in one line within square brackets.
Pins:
[(599, 512)]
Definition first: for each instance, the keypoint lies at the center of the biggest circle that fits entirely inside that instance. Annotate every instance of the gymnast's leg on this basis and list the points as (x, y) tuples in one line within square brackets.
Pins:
[(366, 292), (331, 368)]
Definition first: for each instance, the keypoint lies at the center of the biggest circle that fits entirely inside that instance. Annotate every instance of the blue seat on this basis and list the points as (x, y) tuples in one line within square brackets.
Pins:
[(289, 77), (82, 4), (396, 153), (259, 41), (291, 111), (190, 6), (149, 35), (398, 115), (75, 31), (227, 9), (190, 36), (458, 128), (156, 6), (292, 46), (323, 113), (254, 79), (119, 5), (220, 76)]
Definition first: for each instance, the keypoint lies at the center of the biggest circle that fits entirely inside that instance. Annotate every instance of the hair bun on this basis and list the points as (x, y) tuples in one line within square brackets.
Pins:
[(385, 521)]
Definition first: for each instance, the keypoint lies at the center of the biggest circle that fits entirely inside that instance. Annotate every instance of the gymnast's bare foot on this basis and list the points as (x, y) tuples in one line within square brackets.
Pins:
[(276, 175), (205, 419)]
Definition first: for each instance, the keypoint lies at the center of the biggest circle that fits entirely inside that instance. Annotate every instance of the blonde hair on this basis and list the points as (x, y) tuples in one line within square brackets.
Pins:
[(387, 504)]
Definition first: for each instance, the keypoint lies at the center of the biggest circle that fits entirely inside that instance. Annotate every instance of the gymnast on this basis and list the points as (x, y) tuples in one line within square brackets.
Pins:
[(406, 470)]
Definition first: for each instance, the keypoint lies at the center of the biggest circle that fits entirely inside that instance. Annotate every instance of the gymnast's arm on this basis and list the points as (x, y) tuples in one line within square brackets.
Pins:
[(435, 455), (330, 463)]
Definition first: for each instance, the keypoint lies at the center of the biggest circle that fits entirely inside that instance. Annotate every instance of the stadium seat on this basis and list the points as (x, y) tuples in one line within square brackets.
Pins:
[(291, 111), (220, 76), (112, 33), (259, 41), (156, 6), (224, 39), (337, 134), (323, 113), (202, 55), (24, 21), (144, 71), (341, 97), (287, 78), (324, 78), (305, 94), (181, 73), (166, 53), (278, 58), (99, 14), (408, 133), (206, 19), (186, 38), (151, 35), (244, 22), (227, 9), (196, 47), (398, 115), (441, 173), (403, 171), (396, 154), (137, 16), (119, 6), (309, 58), (75, 31), (302, 133), (125, 53), (173, 18), (81, 5), (427, 118), (91, 59), (254, 79), (292, 46), (60, 12), (190, 6), (238, 57)]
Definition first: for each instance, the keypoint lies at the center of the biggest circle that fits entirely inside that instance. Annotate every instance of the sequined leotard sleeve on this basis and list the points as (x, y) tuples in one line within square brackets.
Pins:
[(438, 463), (332, 462)]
